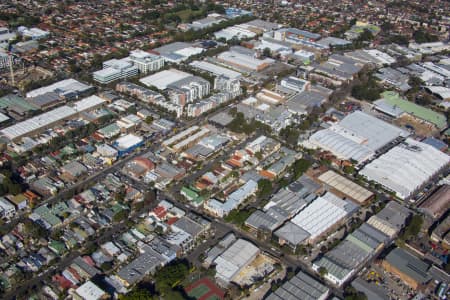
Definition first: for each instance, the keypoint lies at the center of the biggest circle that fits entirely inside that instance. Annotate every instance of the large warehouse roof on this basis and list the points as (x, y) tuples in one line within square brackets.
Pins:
[(358, 136), (61, 87), (406, 167), (323, 213), (346, 186), (215, 69), (46, 119), (244, 61), (300, 287), (239, 255), (164, 78)]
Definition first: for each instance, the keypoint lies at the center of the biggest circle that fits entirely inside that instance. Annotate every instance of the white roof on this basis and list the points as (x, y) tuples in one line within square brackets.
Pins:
[(55, 115), (164, 78), (66, 85), (106, 72), (406, 167), (239, 255), (188, 52), (322, 214), (443, 92), (239, 31), (89, 291), (382, 57), (127, 141), (3, 117), (215, 69), (243, 60), (37, 122), (88, 103), (358, 136)]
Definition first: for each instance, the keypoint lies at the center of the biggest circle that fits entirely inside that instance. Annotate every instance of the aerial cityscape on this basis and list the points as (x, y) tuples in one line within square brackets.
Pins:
[(212, 150)]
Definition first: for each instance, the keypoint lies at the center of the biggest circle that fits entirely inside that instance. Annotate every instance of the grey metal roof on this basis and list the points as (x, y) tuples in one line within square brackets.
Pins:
[(373, 292), (300, 287), (188, 225), (394, 214), (292, 233), (408, 264), (260, 220)]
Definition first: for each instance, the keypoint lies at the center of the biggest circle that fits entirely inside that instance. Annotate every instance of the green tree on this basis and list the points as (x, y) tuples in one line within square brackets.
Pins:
[(323, 271), (299, 167), (171, 275), (264, 188), (138, 294)]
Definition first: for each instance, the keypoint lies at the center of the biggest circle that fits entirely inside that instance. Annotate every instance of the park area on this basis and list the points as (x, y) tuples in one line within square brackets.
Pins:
[(204, 289)]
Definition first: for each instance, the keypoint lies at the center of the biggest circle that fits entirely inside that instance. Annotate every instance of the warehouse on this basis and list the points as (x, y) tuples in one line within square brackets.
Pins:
[(438, 203), (240, 31), (295, 197), (300, 287), (346, 258), (164, 78), (180, 136), (190, 140), (346, 187), (406, 168), (412, 270), (177, 52), (127, 144), (358, 137), (269, 220), (234, 259), (68, 88), (391, 219), (394, 105), (291, 235), (241, 61), (215, 69), (323, 214), (47, 120)]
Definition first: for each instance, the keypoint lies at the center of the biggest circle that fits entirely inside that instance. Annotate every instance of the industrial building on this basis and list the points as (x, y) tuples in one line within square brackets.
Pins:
[(347, 187), (411, 270), (438, 203), (357, 137), (323, 214), (48, 119), (178, 52), (239, 255), (145, 264), (239, 31), (68, 88), (391, 219), (343, 261), (406, 168), (163, 79), (215, 69), (301, 287), (243, 61), (395, 106), (127, 144)]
